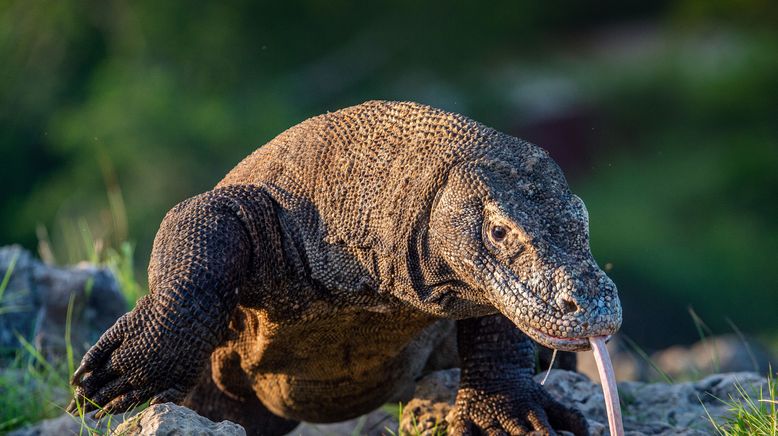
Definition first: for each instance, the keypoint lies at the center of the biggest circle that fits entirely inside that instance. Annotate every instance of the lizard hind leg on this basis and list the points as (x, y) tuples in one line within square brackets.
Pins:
[(211, 401)]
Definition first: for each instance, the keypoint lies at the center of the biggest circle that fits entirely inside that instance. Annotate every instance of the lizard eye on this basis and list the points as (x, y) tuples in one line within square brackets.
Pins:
[(498, 233)]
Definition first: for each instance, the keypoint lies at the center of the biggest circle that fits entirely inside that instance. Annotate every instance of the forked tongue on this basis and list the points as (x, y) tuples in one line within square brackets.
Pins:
[(608, 381)]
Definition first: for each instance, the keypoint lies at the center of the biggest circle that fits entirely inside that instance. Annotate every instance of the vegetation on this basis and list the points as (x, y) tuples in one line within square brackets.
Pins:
[(662, 114), (751, 413), (33, 388), (417, 429), (30, 387)]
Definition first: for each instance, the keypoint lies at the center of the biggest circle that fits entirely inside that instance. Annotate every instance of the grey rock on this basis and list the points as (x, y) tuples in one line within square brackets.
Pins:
[(66, 424), (169, 419), (375, 423), (34, 306), (35, 303), (648, 408), (20, 302)]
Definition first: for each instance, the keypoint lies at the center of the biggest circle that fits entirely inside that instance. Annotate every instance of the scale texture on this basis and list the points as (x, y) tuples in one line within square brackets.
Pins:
[(334, 266)]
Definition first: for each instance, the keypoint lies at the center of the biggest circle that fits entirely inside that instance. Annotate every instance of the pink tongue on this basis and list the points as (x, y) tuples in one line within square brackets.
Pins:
[(608, 381)]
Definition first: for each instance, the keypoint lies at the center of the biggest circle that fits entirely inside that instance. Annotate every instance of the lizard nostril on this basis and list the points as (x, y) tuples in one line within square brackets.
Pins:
[(568, 306)]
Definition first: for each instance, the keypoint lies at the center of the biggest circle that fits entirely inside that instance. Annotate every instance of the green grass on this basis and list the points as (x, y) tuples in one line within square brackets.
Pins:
[(7, 306), (7, 276), (81, 244), (704, 332), (416, 428), (637, 349), (751, 414), (33, 388), (120, 262)]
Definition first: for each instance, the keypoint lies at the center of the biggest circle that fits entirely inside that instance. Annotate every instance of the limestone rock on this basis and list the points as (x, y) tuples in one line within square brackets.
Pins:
[(169, 419)]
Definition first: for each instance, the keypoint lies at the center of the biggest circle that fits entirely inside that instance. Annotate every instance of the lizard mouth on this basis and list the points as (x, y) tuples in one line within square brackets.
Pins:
[(557, 342)]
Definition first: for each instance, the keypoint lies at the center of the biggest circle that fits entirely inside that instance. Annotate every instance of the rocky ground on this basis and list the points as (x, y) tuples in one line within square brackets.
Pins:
[(34, 306), (648, 408)]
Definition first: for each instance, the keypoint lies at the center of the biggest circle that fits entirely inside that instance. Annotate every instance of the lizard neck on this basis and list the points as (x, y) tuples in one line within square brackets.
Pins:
[(423, 279)]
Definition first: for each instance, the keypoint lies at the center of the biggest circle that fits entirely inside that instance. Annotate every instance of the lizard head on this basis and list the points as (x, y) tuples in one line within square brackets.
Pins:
[(507, 225)]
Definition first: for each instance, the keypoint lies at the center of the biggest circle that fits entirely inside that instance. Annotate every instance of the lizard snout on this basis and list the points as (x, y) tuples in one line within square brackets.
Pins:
[(567, 304)]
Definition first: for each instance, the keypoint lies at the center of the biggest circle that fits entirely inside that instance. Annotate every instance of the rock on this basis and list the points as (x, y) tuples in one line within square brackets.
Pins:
[(375, 423), (35, 302), (725, 353), (426, 412), (34, 307), (171, 419), (648, 408), (66, 424)]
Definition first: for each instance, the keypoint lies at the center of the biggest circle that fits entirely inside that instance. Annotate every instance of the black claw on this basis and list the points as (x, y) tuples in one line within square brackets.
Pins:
[(126, 401), (71, 407), (110, 391), (96, 380), (82, 368), (88, 405)]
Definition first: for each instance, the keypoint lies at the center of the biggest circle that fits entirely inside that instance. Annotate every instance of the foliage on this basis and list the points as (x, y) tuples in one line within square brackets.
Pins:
[(416, 429), (662, 113), (33, 388), (751, 414)]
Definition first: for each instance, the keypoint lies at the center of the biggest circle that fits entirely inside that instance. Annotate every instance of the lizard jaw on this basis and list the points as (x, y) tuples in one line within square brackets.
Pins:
[(559, 343), (567, 330)]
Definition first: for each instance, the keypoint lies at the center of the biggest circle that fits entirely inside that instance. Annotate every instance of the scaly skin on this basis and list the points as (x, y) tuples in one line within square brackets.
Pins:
[(317, 279)]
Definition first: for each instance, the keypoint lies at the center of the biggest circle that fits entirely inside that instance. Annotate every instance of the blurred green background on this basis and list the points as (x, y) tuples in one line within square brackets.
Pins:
[(662, 114)]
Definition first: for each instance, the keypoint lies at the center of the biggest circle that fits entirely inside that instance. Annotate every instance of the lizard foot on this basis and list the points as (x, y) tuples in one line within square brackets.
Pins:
[(512, 409), (137, 359)]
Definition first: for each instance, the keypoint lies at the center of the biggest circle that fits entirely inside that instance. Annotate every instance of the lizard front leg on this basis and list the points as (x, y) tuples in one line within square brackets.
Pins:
[(497, 394), (206, 248)]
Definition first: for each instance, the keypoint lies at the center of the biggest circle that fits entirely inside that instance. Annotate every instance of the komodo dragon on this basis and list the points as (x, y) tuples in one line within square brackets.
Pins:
[(317, 279)]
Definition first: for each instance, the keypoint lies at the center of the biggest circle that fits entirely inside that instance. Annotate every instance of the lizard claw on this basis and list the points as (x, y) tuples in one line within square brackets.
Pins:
[(72, 407), (100, 351), (133, 362), (126, 401), (515, 409), (466, 427)]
